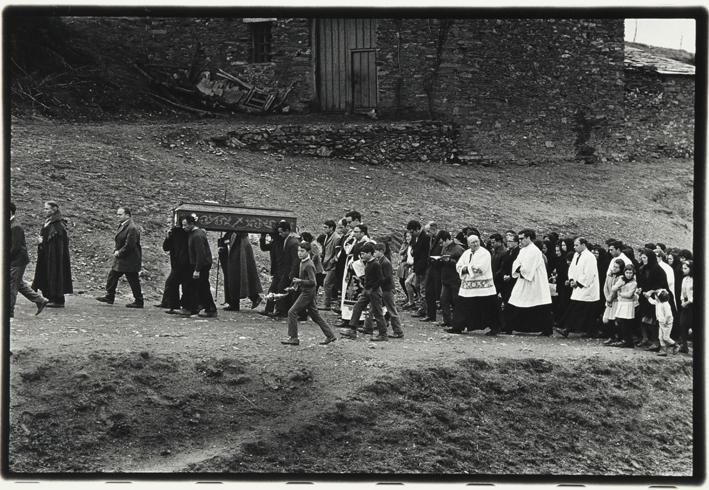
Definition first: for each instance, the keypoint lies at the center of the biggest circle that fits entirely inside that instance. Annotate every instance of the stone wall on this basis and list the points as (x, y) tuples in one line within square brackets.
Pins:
[(372, 143), (170, 45), (659, 115), (515, 86)]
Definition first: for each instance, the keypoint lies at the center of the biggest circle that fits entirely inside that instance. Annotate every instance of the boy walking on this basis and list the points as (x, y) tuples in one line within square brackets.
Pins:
[(371, 296), (387, 294), (307, 283)]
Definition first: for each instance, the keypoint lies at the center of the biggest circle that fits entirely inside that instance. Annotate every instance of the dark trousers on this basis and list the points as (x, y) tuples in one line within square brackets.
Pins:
[(686, 318), (625, 326), (373, 299), (306, 303), (284, 304), (476, 313), (273, 288), (449, 295), (199, 294), (133, 281), (178, 278), (392, 315), (18, 285), (433, 291)]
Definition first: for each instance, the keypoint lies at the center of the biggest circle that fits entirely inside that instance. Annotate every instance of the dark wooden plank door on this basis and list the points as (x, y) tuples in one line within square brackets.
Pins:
[(346, 64)]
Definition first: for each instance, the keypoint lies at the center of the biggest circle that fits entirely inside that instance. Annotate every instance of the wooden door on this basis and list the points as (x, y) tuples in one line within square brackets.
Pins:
[(346, 64)]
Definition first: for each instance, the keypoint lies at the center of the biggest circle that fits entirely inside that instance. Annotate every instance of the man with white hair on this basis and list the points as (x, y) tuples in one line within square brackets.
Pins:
[(477, 297), (530, 301)]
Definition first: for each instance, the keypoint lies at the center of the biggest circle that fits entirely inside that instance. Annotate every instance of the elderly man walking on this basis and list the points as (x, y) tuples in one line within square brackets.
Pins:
[(585, 292), (127, 260), (476, 308), (530, 302)]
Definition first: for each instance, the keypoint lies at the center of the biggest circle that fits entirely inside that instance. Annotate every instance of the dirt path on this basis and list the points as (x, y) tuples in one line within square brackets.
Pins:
[(337, 371)]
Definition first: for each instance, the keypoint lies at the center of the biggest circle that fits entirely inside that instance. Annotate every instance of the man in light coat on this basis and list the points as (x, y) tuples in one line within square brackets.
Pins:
[(585, 292), (530, 301), (127, 260)]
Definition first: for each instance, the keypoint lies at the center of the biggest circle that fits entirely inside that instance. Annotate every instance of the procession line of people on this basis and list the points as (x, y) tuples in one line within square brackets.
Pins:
[(515, 284)]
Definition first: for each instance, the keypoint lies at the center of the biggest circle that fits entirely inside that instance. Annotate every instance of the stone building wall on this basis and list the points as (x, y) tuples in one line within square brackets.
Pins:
[(515, 86), (170, 44), (659, 115)]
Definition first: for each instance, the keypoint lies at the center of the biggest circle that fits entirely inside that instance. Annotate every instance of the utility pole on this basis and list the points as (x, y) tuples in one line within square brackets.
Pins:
[(635, 34)]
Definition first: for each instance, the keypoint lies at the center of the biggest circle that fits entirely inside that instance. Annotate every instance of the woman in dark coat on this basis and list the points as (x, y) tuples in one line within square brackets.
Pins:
[(561, 267), (52, 275), (650, 278), (241, 278)]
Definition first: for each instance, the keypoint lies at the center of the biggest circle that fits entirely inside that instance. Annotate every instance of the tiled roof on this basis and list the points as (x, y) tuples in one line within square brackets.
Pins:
[(639, 58)]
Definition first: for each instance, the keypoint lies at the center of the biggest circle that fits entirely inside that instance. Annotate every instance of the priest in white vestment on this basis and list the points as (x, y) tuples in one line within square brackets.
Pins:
[(476, 308), (530, 301)]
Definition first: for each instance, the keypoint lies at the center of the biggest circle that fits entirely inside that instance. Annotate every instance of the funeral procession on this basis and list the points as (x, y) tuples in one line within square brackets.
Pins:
[(456, 245)]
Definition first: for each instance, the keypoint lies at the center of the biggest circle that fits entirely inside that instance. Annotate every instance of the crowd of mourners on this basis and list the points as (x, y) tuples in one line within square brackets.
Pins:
[(498, 283)]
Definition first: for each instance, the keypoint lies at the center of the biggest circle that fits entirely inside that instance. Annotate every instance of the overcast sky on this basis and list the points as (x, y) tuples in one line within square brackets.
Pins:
[(667, 33)]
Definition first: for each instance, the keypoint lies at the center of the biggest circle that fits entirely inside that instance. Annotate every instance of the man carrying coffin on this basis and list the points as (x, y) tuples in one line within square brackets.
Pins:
[(530, 302)]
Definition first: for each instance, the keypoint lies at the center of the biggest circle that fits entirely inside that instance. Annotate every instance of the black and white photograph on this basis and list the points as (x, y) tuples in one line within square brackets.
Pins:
[(328, 244)]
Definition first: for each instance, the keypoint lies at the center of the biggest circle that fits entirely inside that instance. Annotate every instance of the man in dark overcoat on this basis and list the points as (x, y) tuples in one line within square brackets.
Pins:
[(199, 294), (180, 273), (273, 244), (289, 268), (127, 260), (52, 275), (241, 277)]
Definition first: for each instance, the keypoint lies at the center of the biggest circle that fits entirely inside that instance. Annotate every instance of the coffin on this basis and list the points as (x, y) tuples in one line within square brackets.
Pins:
[(216, 217)]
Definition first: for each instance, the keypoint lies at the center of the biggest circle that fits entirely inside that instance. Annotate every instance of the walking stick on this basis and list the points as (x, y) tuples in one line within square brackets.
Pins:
[(216, 287)]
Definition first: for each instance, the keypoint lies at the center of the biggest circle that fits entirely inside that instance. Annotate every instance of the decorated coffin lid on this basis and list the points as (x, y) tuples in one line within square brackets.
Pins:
[(216, 217)]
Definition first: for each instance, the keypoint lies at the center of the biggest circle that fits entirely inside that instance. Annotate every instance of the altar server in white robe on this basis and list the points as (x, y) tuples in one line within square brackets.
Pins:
[(585, 292), (477, 306), (530, 301)]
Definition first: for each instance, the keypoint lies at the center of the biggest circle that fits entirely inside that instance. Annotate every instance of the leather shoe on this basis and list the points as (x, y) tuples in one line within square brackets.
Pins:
[(256, 302), (185, 312), (379, 338), (264, 313), (328, 340), (562, 331), (231, 308), (41, 305), (342, 325), (427, 319), (396, 335), (291, 341), (348, 335), (160, 305), (104, 299), (452, 330), (207, 314), (134, 305), (491, 333)]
